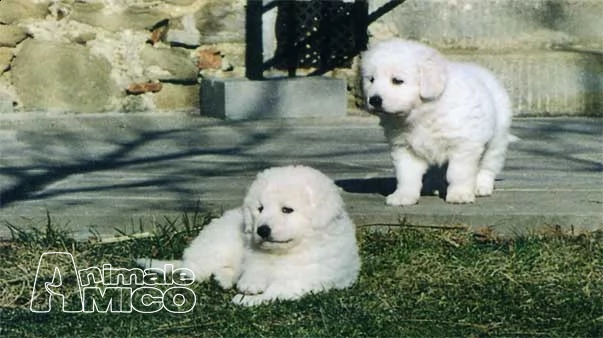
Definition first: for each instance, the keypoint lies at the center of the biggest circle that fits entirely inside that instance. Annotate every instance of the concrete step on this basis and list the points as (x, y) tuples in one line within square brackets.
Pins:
[(109, 171), (546, 83), (492, 24)]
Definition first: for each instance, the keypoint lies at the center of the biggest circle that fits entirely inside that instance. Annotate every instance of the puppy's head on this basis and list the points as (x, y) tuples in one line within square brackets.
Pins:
[(399, 75), (287, 206)]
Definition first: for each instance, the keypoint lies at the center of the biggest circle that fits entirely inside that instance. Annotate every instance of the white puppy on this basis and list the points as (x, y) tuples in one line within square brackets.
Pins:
[(436, 111), (292, 236)]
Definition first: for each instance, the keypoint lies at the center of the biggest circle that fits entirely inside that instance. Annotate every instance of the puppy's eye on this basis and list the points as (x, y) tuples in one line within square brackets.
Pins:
[(287, 210), (396, 81), (260, 209), (370, 79)]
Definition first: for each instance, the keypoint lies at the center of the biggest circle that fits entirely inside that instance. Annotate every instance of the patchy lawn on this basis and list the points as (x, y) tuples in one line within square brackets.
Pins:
[(414, 282)]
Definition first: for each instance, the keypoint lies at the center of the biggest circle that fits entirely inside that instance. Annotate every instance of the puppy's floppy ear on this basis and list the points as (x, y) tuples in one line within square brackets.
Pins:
[(250, 203), (433, 76), (327, 204)]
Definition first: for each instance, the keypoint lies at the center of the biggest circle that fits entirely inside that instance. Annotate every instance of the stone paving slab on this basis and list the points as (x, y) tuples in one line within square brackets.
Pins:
[(116, 171)]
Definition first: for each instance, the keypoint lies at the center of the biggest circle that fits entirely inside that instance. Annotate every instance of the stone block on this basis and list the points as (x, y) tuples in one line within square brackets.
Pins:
[(171, 64), (177, 97), (11, 35), (14, 11), (189, 34), (242, 99), (209, 58), (133, 17), (221, 21), (62, 77)]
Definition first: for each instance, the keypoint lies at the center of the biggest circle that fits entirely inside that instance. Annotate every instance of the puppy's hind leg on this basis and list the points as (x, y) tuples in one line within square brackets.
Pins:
[(491, 164), (462, 173), (493, 159)]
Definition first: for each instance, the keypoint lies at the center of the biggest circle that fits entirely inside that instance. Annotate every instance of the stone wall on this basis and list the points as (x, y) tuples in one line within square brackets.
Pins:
[(115, 55), (140, 55)]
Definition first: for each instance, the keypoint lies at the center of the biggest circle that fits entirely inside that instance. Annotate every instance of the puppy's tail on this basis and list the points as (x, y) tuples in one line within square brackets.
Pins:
[(156, 264)]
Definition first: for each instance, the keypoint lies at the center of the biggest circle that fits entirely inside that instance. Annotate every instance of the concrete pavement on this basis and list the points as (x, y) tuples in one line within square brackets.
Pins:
[(116, 171)]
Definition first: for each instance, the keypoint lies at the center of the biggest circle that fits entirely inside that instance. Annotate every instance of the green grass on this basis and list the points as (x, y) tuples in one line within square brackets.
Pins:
[(414, 283)]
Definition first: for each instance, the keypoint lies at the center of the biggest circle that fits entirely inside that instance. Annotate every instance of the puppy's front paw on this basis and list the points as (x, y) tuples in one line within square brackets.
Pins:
[(250, 286), (226, 278), (460, 195), (399, 198), (248, 300), (484, 189), (238, 299), (485, 184)]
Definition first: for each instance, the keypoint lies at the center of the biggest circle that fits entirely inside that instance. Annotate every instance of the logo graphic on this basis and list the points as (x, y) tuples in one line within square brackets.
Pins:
[(109, 289)]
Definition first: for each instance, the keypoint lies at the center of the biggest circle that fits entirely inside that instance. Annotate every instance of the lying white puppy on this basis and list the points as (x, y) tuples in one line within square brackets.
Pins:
[(292, 236), (436, 111)]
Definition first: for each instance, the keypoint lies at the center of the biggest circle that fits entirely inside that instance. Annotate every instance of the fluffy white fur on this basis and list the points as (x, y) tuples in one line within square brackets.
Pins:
[(436, 111), (292, 236)]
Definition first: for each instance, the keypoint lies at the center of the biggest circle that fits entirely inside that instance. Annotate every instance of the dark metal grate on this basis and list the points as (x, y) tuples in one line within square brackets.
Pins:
[(315, 34), (321, 34)]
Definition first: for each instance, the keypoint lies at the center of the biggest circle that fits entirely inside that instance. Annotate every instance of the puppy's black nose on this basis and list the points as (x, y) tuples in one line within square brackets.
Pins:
[(376, 101), (264, 231)]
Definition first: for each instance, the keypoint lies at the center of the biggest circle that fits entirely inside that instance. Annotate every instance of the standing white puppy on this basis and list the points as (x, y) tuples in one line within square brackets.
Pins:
[(436, 111)]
